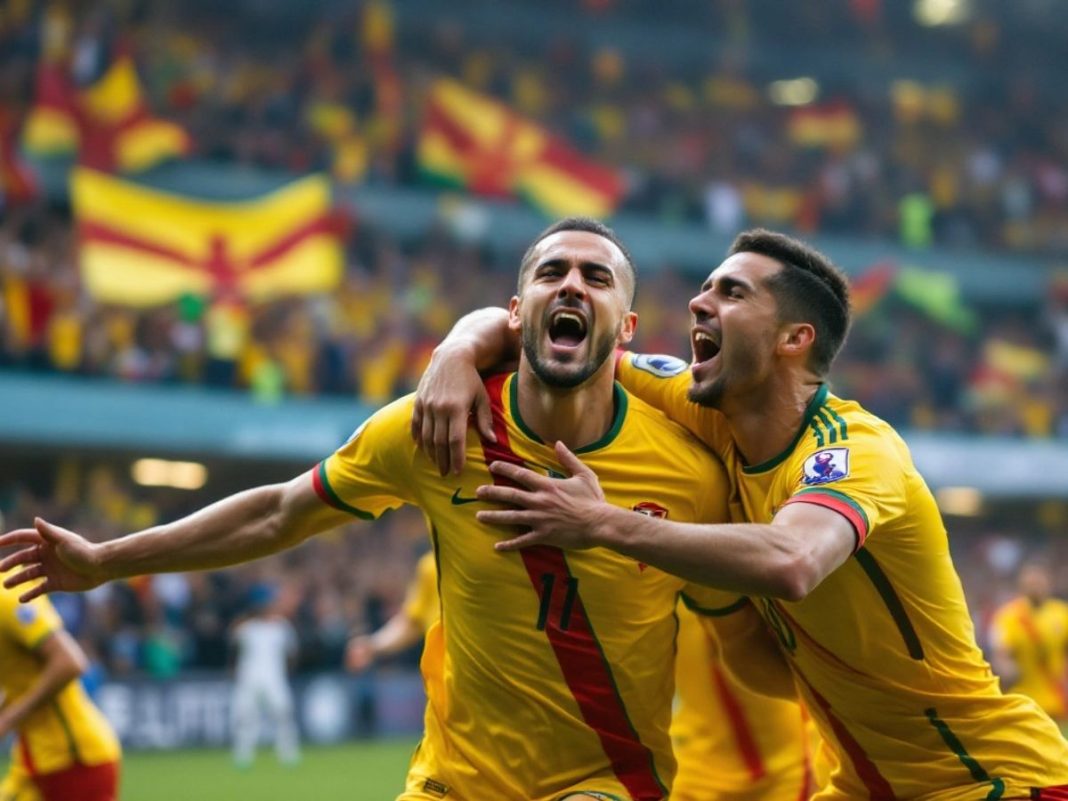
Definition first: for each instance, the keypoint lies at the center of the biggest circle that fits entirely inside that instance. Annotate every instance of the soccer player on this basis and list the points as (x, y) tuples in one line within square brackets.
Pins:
[(65, 750), (421, 610), (731, 743), (1030, 642), (265, 645), (556, 669), (845, 550)]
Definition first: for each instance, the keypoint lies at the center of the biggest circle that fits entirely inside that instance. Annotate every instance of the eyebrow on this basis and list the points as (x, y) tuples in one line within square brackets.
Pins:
[(726, 283), (586, 266)]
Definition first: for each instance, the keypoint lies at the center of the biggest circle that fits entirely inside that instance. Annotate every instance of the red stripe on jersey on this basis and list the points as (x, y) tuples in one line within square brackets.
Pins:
[(27, 757), (1058, 793), (743, 734), (320, 490), (877, 786), (582, 662), (855, 519)]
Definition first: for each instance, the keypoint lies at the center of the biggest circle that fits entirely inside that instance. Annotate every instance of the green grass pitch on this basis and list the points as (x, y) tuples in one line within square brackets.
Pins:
[(359, 771)]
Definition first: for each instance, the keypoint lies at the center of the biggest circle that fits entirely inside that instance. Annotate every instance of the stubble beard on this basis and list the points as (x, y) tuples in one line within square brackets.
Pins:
[(566, 376)]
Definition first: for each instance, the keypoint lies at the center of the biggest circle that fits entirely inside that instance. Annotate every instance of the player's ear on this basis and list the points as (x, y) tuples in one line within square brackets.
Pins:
[(514, 323), (627, 328), (797, 339)]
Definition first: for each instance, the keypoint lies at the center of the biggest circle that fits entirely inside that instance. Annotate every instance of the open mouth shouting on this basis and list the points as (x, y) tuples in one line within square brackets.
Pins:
[(706, 345), (568, 328)]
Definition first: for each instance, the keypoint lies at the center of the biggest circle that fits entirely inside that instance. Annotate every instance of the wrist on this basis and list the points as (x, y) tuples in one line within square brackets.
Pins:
[(605, 530)]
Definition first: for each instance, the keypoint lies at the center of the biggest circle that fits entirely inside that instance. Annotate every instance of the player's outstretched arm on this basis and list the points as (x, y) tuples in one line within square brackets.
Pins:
[(399, 634), (786, 558), (451, 388), (240, 528), (62, 661)]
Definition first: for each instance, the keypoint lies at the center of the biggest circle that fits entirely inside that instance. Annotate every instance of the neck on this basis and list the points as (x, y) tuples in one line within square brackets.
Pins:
[(578, 416), (765, 421)]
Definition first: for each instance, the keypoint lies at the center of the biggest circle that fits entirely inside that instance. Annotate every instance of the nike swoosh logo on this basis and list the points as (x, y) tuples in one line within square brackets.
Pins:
[(458, 501)]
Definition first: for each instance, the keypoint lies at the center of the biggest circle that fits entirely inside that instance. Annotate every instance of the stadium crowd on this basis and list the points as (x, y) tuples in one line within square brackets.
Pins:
[(925, 163), (372, 337)]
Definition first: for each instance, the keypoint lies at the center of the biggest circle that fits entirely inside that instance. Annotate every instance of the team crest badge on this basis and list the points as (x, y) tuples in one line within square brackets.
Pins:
[(651, 509), (658, 365), (25, 614), (823, 467)]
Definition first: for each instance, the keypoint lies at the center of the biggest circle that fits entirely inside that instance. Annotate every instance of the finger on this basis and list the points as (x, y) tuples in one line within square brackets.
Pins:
[(571, 463), (26, 556), (507, 517), (514, 544), (441, 446), (34, 592), (484, 416), (50, 532), (34, 571), (520, 475), (20, 536), (457, 442), (417, 419), (494, 493), (426, 436)]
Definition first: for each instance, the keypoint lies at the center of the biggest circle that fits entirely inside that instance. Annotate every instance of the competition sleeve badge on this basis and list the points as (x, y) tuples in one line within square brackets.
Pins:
[(823, 467), (659, 365), (25, 614)]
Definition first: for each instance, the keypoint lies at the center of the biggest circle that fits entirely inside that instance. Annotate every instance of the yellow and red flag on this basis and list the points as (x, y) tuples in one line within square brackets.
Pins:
[(140, 246), (473, 141), (17, 183), (832, 125), (107, 123), (871, 286)]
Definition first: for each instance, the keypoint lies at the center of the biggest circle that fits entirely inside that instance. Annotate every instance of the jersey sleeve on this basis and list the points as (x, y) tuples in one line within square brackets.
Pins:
[(421, 603), (372, 473), (28, 624), (859, 471), (663, 382)]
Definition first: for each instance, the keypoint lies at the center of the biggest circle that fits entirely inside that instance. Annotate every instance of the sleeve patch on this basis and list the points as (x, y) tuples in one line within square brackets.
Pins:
[(823, 467), (25, 614), (659, 365)]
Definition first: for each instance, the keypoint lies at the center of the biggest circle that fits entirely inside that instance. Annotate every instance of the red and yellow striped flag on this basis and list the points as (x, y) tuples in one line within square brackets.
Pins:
[(107, 124), (143, 247), (473, 141), (17, 183)]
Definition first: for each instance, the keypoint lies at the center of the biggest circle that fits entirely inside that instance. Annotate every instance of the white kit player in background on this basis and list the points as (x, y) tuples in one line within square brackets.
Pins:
[(265, 644)]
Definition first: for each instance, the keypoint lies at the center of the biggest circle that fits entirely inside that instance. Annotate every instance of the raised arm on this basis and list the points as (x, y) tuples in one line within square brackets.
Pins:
[(62, 661), (451, 388), (240, 528), (399, 634)]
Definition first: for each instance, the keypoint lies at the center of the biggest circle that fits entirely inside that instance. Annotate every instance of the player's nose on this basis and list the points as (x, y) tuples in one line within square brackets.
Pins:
[(573, 284)]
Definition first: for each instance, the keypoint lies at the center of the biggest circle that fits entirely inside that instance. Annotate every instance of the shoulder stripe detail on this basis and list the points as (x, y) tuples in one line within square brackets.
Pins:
[(817, 434), (997, 788), (743, 732), (721, 611), (821, 415), (875, 783), (26, 755), (328, 496), (839, 502), (578, 652), (842, 427), (893, 602)]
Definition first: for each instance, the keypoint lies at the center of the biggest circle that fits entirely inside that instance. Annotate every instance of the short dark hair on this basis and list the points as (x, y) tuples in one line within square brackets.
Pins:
[(588, 225), (808, 288)]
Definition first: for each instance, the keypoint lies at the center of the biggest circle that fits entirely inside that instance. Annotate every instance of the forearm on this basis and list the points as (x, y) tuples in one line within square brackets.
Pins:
[(239, 528), (484, 339), (53, 677), (751, 559), (399, 634)]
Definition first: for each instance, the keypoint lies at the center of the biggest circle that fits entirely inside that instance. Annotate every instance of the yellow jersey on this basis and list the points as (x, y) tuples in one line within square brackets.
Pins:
[(1037, 638), (67, 731), (421, 601), (550, 672), (731, 743), (884, 649)]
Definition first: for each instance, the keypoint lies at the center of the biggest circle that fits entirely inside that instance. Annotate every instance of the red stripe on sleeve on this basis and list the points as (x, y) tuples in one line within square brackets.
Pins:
[(582, 663), (320, 490), (837, 505), (743, 734)]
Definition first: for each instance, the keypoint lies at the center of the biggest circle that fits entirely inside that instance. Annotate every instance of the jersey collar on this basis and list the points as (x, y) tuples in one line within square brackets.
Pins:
[(619, 400), (810, 411)]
